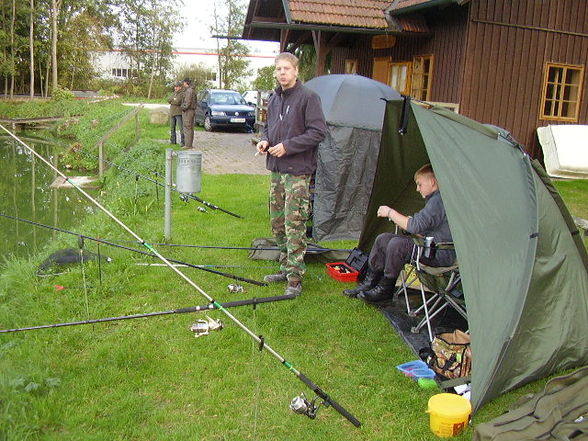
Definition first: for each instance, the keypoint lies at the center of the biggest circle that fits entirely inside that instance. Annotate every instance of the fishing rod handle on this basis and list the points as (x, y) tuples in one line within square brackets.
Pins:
[(327, 399)]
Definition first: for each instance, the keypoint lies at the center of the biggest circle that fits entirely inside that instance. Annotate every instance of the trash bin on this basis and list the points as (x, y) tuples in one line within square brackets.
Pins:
[(188, 171)]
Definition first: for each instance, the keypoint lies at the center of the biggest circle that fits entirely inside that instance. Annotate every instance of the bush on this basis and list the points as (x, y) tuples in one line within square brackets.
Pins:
[(62, 94)]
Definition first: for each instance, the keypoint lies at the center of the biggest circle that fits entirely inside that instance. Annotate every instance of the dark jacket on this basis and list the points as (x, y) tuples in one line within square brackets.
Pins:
[(175, 101), (432, 221), (189, 100), (294, 118)]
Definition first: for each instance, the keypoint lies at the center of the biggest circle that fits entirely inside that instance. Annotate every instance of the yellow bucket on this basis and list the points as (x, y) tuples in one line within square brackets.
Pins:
[(448, 414)]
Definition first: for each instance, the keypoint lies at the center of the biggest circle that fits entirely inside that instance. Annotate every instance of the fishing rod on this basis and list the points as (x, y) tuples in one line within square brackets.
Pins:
[(253, 301), (310, 250), (299, 404), (134, 250), (183, 196)]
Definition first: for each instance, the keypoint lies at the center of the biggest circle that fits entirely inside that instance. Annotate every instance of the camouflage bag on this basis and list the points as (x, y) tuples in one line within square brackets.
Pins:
[(451, 354)]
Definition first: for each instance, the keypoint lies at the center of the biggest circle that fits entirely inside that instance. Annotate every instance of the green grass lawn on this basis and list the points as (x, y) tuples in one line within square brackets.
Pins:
[(150, 379)]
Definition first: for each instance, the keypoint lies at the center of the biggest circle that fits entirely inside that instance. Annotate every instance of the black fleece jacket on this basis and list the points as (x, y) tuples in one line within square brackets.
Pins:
[(294, 118)]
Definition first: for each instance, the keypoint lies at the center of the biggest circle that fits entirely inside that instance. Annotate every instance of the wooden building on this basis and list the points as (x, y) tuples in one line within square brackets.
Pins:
[(515, 64)]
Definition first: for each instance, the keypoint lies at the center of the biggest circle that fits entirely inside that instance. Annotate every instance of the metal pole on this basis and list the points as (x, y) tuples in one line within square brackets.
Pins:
[(167, 227), (101, 160)]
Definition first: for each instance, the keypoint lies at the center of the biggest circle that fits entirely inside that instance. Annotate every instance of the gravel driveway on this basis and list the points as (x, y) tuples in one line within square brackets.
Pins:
[(229, 152)]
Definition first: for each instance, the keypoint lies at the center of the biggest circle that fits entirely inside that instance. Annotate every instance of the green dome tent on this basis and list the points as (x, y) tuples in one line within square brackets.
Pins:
[(524, 267), (354, 108)]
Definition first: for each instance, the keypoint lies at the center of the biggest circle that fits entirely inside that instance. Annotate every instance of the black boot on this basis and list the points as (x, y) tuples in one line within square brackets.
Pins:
[(370, 280), (383, 291)]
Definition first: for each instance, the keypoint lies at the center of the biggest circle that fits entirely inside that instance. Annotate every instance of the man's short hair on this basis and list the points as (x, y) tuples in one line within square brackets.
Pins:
[(293, 59), (188, 81), (426, 169)]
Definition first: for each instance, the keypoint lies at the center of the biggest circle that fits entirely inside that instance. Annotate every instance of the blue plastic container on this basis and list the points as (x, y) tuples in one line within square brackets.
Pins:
[(423, 373), (409, 368)]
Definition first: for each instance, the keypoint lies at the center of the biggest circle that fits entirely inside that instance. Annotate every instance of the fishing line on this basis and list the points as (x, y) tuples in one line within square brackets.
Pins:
[(112, 244), (310, 250), (263, 345), (161, 184)]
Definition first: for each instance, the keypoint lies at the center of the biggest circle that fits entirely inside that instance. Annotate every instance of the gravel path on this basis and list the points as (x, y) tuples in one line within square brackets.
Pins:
[(229, 152)]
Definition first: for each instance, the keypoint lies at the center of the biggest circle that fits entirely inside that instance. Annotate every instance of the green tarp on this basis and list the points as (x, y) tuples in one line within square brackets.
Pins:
[(523, 266)]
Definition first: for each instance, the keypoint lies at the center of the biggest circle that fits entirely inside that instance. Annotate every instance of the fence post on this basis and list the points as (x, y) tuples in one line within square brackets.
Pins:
[(101, 160)]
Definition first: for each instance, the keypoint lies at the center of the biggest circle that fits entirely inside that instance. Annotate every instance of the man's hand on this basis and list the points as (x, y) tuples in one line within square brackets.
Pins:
[(278, 150), (262, 147), (394, 216), (384, 211)]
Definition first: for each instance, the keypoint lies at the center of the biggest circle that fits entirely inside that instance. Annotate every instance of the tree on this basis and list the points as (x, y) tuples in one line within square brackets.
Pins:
[(146, 35), (55, 7), (62, 37), (233, 64), (32, 49), (266, 78), (307, 66), (200, 75)]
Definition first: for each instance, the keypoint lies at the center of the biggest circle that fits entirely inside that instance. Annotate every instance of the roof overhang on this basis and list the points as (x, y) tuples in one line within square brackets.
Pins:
[(407, 6), (318, 27)]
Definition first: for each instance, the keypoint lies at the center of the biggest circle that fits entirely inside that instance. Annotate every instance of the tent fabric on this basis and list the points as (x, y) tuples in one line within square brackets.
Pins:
[(353, 100), (354, 109), (345, 173), (523, 270)]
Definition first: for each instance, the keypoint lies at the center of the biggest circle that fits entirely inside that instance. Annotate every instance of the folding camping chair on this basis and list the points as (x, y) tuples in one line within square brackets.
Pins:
[(409, 279), (442, 283)]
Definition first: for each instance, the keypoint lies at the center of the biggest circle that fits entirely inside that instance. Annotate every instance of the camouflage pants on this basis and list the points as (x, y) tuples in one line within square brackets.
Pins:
[(289, 210)]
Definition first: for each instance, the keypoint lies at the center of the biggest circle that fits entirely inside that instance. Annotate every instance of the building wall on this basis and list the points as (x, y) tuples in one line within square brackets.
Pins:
[(489, 57), (509, 43), (446, 42), (115, 64)]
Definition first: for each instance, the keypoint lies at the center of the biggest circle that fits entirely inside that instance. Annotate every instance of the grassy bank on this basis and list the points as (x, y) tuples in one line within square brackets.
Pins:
[(150, 379)]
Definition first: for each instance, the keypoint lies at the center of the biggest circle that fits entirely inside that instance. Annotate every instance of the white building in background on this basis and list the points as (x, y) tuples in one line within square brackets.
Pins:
[(115, 65)]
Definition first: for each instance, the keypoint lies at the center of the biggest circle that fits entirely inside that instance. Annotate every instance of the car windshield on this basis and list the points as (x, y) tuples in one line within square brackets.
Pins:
[(227, 98)]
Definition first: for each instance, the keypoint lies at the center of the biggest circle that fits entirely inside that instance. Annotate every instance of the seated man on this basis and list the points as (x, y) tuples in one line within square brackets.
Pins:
[(391, 252)]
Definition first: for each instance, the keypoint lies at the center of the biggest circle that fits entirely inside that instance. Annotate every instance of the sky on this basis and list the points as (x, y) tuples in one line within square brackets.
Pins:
[(196, 37)]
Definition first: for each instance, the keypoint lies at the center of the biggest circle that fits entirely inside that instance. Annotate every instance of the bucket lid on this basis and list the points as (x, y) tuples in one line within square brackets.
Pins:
[(449, 405)]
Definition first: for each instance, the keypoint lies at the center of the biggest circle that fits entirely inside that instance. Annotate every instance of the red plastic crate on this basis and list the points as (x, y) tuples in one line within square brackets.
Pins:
[(335, 271)]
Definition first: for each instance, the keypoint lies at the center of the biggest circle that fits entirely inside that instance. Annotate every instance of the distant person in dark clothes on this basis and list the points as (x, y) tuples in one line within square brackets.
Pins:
[(391, 252), (295, 127), (175, 113), (188, 107)]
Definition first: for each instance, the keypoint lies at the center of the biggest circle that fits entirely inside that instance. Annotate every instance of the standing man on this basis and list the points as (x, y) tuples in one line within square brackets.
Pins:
[(295, 126), (175, 113), (188, 106)]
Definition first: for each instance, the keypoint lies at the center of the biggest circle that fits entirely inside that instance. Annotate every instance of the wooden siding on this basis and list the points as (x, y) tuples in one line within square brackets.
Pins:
[(489, 57), (446, 43), (508, 46)]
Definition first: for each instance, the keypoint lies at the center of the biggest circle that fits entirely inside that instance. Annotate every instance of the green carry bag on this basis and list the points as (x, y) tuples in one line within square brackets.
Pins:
[(559, 412)]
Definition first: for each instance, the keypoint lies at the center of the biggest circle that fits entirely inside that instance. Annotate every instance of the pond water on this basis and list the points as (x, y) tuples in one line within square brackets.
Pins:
[(26, 193)]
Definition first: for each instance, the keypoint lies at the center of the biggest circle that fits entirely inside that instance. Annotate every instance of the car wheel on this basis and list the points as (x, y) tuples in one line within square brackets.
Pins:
[(207, 124)]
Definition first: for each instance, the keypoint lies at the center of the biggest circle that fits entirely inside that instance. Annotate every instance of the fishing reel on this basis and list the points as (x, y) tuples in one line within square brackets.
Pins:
[(204, 327), (301, 405)]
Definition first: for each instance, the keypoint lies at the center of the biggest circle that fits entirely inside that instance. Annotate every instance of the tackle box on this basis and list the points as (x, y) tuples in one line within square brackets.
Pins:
[(349, 270), (342, 272)]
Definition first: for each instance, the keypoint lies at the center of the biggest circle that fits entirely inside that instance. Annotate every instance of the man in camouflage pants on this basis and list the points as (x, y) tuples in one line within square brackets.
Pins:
[(295, 126)]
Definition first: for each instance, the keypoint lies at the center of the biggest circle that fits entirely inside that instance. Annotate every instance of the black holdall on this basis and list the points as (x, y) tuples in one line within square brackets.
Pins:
[(358, 260)]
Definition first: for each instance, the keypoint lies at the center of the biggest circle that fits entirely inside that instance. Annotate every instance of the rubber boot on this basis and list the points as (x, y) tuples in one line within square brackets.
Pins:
[(370, 280), (382, 291)]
